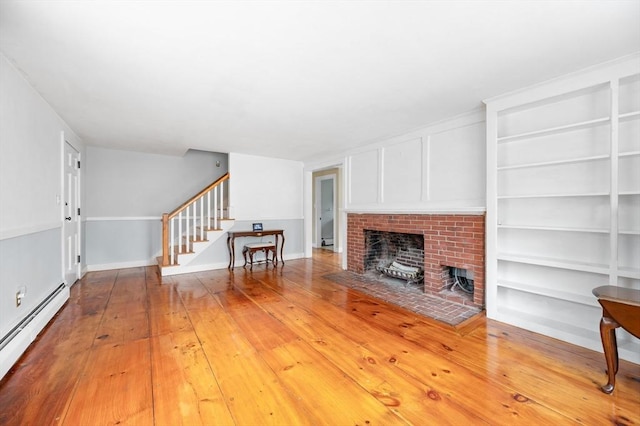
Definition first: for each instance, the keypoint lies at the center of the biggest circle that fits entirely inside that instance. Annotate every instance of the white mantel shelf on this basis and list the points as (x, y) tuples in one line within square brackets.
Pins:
[(457, 210)]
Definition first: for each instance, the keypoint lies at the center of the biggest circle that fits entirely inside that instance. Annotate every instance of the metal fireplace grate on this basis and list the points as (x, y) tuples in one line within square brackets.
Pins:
[(410, 274)]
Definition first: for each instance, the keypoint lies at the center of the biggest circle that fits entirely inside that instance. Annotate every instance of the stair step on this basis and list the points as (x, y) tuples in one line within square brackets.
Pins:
[(175, 262), (183, 249), (207, 229), (197, 239)]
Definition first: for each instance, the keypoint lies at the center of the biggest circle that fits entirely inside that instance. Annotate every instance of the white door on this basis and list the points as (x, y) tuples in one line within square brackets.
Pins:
[(71, 211), (325, 211)]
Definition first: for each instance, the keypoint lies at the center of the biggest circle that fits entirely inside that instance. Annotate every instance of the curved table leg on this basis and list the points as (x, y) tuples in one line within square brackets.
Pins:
[(608, 335), (231, 252)]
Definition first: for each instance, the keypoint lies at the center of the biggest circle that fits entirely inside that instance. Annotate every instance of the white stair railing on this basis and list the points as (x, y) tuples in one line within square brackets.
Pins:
[(189, 222)]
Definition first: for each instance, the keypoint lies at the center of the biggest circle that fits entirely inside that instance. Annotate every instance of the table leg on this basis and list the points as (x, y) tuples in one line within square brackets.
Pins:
[(282, 249), (231, 248), (608, 335)]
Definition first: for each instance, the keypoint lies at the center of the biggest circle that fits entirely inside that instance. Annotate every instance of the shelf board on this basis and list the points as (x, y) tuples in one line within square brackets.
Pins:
[(548, 292), (629, 154), (629, 273), (567, 161), (593, 194), (568, 229), (556, 162), (595, 268), (547, 325), (557, 129), (588, 338), (554, 229), (629, 115)]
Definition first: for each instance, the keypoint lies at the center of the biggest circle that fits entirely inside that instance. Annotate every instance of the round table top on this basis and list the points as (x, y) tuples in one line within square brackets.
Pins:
[(618, 294)]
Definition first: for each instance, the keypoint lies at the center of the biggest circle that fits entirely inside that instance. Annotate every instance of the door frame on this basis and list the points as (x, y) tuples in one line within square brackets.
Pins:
[(61, 201), (318, 209)]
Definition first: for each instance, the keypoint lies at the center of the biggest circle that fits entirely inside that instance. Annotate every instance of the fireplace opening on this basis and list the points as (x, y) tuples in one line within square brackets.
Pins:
[(395, 255), (459, 281)]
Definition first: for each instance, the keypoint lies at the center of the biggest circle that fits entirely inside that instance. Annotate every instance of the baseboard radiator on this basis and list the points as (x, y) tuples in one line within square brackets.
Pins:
[(18, 339)]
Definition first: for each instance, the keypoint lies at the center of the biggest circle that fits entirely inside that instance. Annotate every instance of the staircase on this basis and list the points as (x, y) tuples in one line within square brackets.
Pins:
[(195, 225)]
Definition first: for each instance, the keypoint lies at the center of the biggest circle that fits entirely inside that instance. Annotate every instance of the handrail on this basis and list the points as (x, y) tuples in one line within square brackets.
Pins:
[(169, 234), (198, 195)]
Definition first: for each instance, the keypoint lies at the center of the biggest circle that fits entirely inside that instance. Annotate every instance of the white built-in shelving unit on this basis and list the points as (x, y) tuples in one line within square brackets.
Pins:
[(563, 201)]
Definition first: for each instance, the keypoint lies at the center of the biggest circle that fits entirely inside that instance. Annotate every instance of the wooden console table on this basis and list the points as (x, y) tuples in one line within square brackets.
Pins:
[(231, 237), (620, 308)]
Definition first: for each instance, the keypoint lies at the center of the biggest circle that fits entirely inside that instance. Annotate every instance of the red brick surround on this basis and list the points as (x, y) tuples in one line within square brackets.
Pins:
[(449, 240)]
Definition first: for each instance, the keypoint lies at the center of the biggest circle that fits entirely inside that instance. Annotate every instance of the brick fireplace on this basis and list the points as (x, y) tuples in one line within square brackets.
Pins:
[(450, 241)]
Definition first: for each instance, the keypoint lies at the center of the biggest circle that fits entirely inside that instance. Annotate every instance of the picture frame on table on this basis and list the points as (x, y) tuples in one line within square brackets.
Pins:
[(257, 227)]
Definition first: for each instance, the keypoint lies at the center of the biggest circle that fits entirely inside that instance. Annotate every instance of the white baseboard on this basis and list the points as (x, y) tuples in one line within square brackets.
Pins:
[(21, 341), (120, 265), (188, 269)]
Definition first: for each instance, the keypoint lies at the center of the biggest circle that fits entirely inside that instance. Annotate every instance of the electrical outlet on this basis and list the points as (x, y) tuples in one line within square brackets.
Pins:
[(22, 291)]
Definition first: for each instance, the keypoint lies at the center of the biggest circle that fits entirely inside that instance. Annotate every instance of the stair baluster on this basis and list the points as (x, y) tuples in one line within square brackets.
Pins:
[(171, 253), (215, 207), (209, 209), (202, 218)]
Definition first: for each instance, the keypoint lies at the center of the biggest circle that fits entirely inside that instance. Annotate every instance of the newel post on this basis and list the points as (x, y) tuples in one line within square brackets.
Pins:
[(165, 239)]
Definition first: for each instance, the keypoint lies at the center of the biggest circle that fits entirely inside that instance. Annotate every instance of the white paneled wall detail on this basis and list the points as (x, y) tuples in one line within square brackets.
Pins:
[(439, 168), (365, 176), (402, 167), (456, 169), (563, 201)]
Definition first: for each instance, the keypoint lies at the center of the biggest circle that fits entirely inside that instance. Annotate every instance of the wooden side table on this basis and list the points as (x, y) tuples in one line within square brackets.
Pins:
[(232, 235), (620, 308)]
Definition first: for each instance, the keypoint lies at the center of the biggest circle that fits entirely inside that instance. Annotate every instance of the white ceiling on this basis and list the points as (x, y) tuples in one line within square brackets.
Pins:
[(294, 79)]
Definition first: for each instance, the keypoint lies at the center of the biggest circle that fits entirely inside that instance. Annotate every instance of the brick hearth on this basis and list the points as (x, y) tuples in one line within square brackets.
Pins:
[(449, 240)]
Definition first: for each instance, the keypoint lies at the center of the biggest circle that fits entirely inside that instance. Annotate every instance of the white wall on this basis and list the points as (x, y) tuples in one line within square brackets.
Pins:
[(30, 164), (440, 167), (30, 190), (127, 193), (270, 191), (133, 184), (265, 188)]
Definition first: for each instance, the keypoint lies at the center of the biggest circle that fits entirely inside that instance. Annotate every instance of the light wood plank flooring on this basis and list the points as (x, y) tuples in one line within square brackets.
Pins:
[(288, 347)]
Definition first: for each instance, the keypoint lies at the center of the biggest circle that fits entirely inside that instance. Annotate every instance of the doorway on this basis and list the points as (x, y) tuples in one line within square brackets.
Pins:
[(325, 211), (71, 214)]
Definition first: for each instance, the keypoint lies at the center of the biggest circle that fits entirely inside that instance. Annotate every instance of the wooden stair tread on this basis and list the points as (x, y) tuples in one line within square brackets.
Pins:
[(195, 240), (175, 262)]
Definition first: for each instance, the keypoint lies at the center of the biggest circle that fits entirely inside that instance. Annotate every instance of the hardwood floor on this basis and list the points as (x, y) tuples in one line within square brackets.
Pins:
[(287, 347)]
